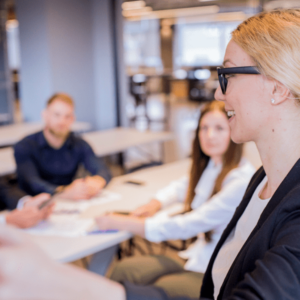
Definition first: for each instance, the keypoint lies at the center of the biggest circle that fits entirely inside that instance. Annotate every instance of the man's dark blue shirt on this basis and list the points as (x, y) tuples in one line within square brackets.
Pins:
[(41, 168)]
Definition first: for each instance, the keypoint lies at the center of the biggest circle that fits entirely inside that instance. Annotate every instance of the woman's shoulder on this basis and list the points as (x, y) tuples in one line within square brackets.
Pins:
[(244, 171), (246, 166)]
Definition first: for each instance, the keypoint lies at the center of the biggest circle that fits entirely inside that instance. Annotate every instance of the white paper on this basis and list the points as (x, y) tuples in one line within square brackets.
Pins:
[(65, 219), (69, 207), (68, 227)]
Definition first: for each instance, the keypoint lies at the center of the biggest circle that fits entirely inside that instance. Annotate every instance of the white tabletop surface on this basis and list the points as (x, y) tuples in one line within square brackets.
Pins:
[(7, 161), (118, 139), (11, 134), (69, 249)]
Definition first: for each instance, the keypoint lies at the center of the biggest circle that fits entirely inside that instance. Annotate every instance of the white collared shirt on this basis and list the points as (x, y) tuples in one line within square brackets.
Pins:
[(206, 215), (176, 191)]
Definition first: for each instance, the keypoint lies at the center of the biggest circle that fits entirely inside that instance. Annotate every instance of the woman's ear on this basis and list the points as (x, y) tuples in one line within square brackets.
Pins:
[(280, 93)]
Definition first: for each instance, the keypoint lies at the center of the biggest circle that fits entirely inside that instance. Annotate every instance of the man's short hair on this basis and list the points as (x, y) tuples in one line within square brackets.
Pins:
[(61, 96)]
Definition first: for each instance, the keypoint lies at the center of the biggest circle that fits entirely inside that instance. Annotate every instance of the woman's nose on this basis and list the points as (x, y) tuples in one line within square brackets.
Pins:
[(219, 95), (210, 132)]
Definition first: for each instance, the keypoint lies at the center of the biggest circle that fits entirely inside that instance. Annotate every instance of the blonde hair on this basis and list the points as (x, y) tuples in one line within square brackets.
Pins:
[(61, 96), (272, 39)]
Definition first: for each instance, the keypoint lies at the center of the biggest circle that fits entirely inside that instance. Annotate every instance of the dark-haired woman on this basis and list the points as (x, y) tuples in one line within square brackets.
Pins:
[(218, 179)]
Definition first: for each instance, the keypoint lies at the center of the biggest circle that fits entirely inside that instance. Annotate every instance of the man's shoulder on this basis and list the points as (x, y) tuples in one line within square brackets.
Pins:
[(78, 141), (30, 140)]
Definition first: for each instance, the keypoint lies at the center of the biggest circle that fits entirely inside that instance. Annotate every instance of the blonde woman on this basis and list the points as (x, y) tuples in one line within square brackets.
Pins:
[(258, 255)]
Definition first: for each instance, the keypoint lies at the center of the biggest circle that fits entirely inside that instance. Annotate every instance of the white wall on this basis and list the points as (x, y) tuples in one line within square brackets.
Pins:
[(66, 45)]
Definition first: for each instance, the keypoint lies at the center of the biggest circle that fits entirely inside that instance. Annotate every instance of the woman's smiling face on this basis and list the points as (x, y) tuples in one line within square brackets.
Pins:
[(214, 134), (248, 96)]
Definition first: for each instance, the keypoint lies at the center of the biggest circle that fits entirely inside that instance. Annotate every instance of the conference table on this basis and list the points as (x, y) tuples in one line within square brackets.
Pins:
[(68, 249), (11, 134), (118, 139), (104, 142)]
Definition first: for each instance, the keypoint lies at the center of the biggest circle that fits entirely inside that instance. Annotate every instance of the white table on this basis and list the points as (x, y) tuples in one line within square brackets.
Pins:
[(69, 249), (103, 142), (119, 139), (11, 134), (7, 161)]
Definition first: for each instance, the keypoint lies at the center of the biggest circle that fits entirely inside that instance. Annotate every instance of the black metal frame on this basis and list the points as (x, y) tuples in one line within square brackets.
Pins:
[(236, 70)]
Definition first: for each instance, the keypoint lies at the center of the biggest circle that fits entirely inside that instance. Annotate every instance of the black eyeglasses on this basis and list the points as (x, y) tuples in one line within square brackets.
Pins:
[(222, 72)]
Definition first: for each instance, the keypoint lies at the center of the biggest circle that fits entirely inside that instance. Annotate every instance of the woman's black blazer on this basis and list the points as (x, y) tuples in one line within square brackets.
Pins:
[(268, 265)]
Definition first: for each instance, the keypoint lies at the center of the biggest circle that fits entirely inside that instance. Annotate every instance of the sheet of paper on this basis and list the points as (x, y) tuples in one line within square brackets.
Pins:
[(65, 220), (67, 227), (72, 207)]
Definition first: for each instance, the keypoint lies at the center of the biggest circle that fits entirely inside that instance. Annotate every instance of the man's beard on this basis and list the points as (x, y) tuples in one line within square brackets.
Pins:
[(59, 134)]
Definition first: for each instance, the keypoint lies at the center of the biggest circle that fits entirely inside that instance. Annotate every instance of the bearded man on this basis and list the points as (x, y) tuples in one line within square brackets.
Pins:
[(47, 161)]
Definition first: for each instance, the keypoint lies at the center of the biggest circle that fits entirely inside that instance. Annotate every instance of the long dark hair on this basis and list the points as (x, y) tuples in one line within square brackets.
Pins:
[(231, 159)]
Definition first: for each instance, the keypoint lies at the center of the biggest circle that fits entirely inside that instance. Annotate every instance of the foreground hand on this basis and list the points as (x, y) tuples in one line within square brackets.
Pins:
[(148, 209), (37, 200), (27, 273), (28, 216)]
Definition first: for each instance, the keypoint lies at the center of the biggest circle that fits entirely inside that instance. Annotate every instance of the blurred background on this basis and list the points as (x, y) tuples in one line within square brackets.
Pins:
[(147, 64)]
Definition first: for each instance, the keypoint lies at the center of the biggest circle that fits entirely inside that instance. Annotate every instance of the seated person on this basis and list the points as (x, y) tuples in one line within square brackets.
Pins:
[(218, 179), (47, 161), (24, 209)]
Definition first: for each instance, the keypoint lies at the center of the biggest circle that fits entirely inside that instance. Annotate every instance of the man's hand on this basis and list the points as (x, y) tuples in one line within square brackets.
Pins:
[(148, 209), (95, 184), (77, 190), (83, 188), (27, 273), (37, 200)]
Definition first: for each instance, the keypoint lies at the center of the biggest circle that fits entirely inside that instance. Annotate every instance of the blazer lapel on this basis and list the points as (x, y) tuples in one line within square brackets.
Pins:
[(289, 182)]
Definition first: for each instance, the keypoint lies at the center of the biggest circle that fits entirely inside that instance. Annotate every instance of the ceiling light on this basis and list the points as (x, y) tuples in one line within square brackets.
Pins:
[(202, 74), (174, 13), (139, 78), (137, 12), (133, 5), (180, 74), (281, 4)]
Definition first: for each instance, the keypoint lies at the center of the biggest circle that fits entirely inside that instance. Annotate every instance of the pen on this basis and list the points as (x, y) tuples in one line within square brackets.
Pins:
[(102, 231), (47, 202)]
